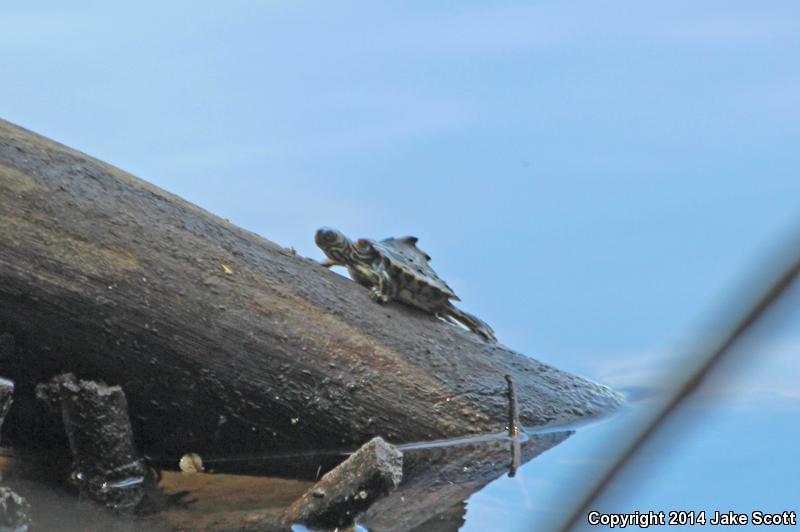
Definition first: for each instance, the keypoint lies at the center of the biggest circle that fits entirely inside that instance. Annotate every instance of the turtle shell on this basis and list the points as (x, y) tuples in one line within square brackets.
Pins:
[(404, 254)]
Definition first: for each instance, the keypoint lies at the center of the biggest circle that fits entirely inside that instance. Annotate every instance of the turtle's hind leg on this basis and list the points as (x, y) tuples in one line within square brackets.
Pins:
[(471, 322)]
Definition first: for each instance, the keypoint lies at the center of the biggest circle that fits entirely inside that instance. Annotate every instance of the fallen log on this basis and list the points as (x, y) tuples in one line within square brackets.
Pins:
[(223, 341)]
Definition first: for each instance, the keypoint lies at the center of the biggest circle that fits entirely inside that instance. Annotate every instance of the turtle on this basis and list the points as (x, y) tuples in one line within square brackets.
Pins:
[(396, 269)]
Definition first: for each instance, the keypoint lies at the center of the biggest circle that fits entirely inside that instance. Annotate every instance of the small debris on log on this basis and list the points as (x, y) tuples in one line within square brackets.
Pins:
[(13, 511), (191, 463), (107, 467), (6, 397), (349, 489), (514, 428)]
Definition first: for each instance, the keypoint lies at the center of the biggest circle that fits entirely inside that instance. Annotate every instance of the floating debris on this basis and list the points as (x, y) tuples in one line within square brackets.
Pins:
[(191, 463)]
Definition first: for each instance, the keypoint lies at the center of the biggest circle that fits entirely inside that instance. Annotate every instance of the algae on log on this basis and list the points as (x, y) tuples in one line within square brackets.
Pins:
[(223, 341)]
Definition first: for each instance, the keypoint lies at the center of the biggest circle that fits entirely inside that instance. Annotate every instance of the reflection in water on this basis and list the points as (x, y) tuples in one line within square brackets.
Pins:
[(438, 477)]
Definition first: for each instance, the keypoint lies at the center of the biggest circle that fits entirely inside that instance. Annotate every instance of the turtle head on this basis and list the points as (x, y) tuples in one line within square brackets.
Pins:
[(336, 246)]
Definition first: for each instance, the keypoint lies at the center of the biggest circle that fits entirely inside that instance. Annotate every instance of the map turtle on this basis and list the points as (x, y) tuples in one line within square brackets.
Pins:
[(396, 269)]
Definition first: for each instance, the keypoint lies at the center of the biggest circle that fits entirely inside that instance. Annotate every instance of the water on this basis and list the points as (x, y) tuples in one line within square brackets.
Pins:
[(731, 448)]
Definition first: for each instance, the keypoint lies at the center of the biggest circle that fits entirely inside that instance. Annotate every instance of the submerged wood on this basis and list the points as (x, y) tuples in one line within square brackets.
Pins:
[(352, 487), (107, 466), (451, 520), (226, 342), (437, 478)]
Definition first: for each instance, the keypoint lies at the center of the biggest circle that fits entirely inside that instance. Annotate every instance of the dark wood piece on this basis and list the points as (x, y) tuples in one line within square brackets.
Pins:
[(351, 488), (107, 467), (223, 341)]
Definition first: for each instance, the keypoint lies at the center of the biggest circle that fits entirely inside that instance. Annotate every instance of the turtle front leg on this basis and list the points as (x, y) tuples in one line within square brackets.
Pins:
[(384, 289), (328, 263)]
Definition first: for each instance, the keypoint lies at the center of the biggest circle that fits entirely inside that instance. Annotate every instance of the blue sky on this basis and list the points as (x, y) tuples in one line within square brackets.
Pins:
[(592, 178)]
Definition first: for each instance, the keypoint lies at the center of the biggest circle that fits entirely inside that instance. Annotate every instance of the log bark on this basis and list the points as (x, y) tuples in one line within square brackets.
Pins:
[(223, 341)]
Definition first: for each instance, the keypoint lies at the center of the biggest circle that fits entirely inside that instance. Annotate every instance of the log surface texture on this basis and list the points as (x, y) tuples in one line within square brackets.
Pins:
[(223, 341)]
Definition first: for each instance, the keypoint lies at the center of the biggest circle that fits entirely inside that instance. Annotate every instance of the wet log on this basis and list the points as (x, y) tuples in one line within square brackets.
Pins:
[(351, 488), (107, 467), (223, 341), (438, 477)]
